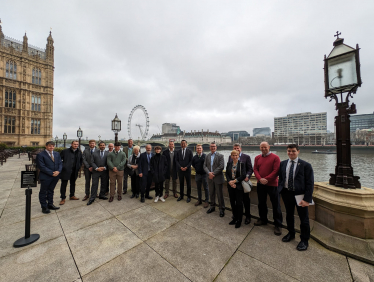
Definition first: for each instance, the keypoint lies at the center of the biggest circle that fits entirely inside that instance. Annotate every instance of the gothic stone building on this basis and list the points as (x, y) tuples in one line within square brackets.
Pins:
[(26, 92)]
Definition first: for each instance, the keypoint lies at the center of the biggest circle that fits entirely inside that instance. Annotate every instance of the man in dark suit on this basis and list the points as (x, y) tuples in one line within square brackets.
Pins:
[(145, 173), (183, 162), (50, 166), (127, 171), (296, 178), (213, 166), (99, 171), (171, 173), (244, 158), (71, 163), (87, 158)]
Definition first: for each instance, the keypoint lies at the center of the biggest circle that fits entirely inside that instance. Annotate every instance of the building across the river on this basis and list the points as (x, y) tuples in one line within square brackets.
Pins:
[(261, 131), (236, 135), (365, 121), (170, 128), (203, 137), (302, 128), (26, 91)]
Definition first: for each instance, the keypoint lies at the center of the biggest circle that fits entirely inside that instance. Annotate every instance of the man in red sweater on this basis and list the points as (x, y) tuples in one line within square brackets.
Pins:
[(266, 169)]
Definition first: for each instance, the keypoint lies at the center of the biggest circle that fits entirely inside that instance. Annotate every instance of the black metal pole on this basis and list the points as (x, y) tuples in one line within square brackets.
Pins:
[(28, 239), (116, 137), (64, 143)]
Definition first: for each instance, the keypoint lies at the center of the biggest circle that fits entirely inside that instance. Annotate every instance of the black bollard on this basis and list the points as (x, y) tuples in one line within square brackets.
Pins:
[(28, 239)]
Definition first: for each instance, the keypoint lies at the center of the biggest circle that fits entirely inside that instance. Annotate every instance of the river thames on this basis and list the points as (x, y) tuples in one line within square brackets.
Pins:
[(324, 164)]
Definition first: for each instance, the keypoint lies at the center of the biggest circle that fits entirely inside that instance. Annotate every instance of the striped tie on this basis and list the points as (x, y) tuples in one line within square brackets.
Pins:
[(290, 177)]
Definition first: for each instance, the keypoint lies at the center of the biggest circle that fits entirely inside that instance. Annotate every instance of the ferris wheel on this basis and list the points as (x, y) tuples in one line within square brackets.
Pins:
[(142, 122)]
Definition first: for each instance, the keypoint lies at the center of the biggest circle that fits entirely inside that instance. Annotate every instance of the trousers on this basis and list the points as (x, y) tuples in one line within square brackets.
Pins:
[(64, 184), (87, 177), (272, 191), (103, 176), (115, 176), (214, 189), (47, 188), (202, 180), (185, 175)]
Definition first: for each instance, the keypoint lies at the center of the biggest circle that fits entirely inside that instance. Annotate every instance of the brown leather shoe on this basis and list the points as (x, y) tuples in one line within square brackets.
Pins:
[(74, 198), (206, 204), (166, 196), (119, 198), (197, 203), (110, 199), (97, 196), (85, 197), (106, 194), (62, 202), (176, 195)]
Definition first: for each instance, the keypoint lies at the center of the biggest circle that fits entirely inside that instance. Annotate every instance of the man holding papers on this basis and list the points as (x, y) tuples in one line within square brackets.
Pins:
[(296, 179)]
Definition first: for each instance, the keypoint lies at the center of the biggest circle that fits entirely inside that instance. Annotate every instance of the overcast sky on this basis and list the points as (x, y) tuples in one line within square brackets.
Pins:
[(217, 65)]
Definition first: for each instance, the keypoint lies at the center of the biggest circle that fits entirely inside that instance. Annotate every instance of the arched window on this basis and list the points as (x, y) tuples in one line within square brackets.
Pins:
[(11, 70), (10, 99), (35, 103), (36, 76)]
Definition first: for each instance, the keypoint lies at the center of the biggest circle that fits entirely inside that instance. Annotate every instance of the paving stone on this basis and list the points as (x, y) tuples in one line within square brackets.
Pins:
[(218, 227), (198, 256), (178, 210), (48, 227), (119, 207), (146, 221), (16, 214), (97, 244), (361, 272), (322, 264), (138, 264), (243, 268), (49, 261), (77, 218)]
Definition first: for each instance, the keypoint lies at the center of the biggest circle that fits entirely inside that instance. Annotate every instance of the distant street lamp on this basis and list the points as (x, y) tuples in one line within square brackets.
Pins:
[(56, 139), (116, 127), (79, 135), (99, 137), (64, 137), (342, 75)]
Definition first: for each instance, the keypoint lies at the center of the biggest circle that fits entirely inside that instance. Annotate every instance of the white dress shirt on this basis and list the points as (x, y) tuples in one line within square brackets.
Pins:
[(288, 170)]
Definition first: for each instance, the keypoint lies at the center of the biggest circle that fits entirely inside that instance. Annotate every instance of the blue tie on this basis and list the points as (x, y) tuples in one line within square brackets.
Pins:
[(149, 160), (290, 177), (101, 154), (91, 151)]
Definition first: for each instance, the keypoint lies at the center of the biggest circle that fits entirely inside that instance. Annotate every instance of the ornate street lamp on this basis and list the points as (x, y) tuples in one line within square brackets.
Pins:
[(342, 75), (99, 137), (56, 139), (64, 137), (116, 127), (79, 135)]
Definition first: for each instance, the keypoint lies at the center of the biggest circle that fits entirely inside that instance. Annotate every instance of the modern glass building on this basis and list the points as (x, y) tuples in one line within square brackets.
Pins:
[(365, 121)]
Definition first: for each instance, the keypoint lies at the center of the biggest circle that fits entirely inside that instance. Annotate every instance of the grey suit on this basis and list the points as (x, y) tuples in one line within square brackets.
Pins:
[(96, 162), (86, 156), (215, 184), (127, 170)]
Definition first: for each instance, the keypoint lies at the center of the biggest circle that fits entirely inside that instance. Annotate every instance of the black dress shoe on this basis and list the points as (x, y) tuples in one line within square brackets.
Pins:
[(222, 213), (277, 230), (232, 222), (142, 199), (247, 220), (103, 198), (90, 202), (53, 207), (133, 196), (136, 195), (180, 198), (260, 222), (188, 199), (238, 224), (149, 197), (45, 210), (302, 246), (211, 209), (288, 237)]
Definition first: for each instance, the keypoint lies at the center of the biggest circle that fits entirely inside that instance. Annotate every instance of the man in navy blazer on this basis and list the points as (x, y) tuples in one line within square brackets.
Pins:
[(145, 173), (50, 166), (296, 178)]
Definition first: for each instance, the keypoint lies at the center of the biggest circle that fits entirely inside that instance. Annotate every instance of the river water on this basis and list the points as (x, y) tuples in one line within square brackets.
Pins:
[(324, 164)]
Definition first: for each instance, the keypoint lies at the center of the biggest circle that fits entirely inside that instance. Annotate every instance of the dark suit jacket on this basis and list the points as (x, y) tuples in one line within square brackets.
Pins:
[(68, 158), (86, 157), (47, 166), (244, 158), (303, 180), (159, 168), (97, 161), (166, 153), (239, 175), (218, 165), (186, 162), (143, 163)]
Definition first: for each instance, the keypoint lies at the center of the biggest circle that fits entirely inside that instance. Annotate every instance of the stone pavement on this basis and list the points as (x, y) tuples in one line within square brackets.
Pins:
[(132, 241)]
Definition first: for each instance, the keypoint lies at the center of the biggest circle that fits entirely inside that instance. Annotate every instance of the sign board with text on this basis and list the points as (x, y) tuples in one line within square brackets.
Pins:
[(28, 178)]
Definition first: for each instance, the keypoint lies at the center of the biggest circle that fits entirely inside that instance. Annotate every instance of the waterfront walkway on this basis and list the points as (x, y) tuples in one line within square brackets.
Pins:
[(132, 241)]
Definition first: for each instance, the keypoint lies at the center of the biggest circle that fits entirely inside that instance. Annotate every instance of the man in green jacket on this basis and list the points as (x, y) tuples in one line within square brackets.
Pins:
[(116, 162)]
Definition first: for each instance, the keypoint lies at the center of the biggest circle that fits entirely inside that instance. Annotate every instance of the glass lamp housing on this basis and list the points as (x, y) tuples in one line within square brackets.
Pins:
[(79, 133)]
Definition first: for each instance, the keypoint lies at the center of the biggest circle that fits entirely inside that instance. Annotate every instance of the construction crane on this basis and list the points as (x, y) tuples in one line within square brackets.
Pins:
[(140, 128)]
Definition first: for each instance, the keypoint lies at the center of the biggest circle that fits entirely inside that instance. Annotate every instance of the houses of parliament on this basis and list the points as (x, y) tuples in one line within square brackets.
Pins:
[(26, 92)]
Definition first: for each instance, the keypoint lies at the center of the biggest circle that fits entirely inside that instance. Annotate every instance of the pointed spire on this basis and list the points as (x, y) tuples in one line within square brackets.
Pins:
[(49, 48), (25, 47), (1, 31)]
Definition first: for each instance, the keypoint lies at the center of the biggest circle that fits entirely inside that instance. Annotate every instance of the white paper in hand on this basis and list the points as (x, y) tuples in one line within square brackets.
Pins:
[(299, 198)]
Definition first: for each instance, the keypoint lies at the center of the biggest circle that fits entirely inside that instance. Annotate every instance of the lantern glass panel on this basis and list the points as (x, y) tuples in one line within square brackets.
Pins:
[(342, 71)]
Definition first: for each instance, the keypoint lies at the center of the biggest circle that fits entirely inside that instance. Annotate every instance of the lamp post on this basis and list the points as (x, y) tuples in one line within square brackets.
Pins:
[(116, 127), (342, 75), (64, 137), (99, 137), (56, 139), (79, 135)]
